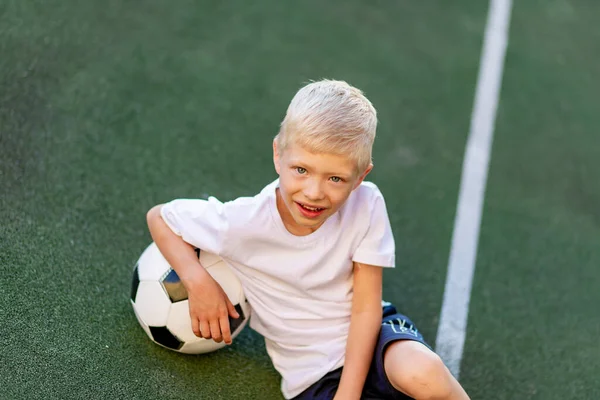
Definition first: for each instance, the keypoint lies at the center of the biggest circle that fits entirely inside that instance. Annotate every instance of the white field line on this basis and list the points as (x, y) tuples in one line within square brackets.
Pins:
[(455, 307)]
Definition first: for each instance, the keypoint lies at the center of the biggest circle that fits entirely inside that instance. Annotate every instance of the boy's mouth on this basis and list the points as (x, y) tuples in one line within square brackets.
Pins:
[(309, 211)]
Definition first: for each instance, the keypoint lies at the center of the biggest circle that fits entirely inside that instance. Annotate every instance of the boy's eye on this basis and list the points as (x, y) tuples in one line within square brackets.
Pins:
[(300, 170), (336, 179)]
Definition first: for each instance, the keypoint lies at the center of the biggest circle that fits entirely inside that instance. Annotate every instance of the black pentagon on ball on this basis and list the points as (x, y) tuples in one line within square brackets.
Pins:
[(163, 336), (173, 286), (235, 323), (135, 282)]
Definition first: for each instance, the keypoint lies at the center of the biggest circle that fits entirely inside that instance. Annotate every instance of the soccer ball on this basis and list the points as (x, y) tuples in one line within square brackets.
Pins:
[(160, 301)]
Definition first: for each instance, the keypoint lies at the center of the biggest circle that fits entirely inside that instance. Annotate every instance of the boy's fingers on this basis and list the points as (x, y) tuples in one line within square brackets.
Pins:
[(225, 329), (215, 331), (205, 329), (232, 310), (196, 327)]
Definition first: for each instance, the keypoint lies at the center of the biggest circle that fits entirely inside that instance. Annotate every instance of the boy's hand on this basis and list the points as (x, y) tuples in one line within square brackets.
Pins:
[(210, 309), (209, 305)]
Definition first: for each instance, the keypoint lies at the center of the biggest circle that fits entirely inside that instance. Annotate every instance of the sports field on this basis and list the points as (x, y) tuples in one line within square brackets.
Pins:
[(108, 108)]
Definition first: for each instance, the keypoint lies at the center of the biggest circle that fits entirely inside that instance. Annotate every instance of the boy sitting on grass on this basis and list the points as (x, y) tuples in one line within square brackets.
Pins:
[(309, 250)]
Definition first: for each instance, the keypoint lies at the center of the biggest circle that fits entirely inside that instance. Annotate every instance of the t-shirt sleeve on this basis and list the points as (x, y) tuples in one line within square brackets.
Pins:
[(201, 223), (377, 246)]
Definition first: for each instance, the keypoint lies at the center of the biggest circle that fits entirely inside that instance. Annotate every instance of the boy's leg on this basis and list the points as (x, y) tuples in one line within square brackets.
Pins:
[(404, 366), (418, 372)]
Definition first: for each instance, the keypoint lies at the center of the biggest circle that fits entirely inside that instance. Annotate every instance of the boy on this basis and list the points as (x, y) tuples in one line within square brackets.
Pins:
[(309, 250)]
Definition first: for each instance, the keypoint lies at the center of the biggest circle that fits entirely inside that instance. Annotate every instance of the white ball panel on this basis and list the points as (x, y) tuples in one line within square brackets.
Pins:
[(179, 322), (142, 324), (152, 265), (228, 281), (201, 346), (152, 304)]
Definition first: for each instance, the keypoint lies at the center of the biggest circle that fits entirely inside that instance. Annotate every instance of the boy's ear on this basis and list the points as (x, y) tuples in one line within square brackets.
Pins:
[(276, 156), (362, 177)]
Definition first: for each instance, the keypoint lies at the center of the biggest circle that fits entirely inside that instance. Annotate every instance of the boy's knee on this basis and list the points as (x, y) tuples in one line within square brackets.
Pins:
[(417, 371)]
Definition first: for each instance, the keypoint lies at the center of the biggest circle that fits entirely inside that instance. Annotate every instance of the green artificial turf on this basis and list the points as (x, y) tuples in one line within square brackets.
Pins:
[(108, 108), (534, 326)]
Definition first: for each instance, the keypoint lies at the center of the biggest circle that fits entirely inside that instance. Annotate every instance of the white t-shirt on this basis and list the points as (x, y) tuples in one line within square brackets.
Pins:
[(299, 287)]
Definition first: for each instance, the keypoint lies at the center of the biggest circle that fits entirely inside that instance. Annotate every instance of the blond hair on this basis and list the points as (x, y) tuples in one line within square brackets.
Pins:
[(330, 117)]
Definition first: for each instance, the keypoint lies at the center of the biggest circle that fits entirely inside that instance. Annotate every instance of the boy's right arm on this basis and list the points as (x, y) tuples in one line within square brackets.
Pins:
[(209, 305)]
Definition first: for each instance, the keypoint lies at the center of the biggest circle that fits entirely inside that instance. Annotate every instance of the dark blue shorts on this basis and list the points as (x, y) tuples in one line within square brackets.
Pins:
[(394, 326)]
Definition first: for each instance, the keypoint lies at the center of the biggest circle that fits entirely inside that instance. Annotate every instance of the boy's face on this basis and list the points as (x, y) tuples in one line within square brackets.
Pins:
[(312, 186)]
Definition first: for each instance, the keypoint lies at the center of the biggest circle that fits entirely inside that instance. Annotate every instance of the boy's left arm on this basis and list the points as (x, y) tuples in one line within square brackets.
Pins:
[(365, 323)]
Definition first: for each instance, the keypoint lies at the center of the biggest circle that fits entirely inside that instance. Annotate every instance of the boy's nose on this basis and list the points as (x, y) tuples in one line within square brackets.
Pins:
[(314, 191)]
